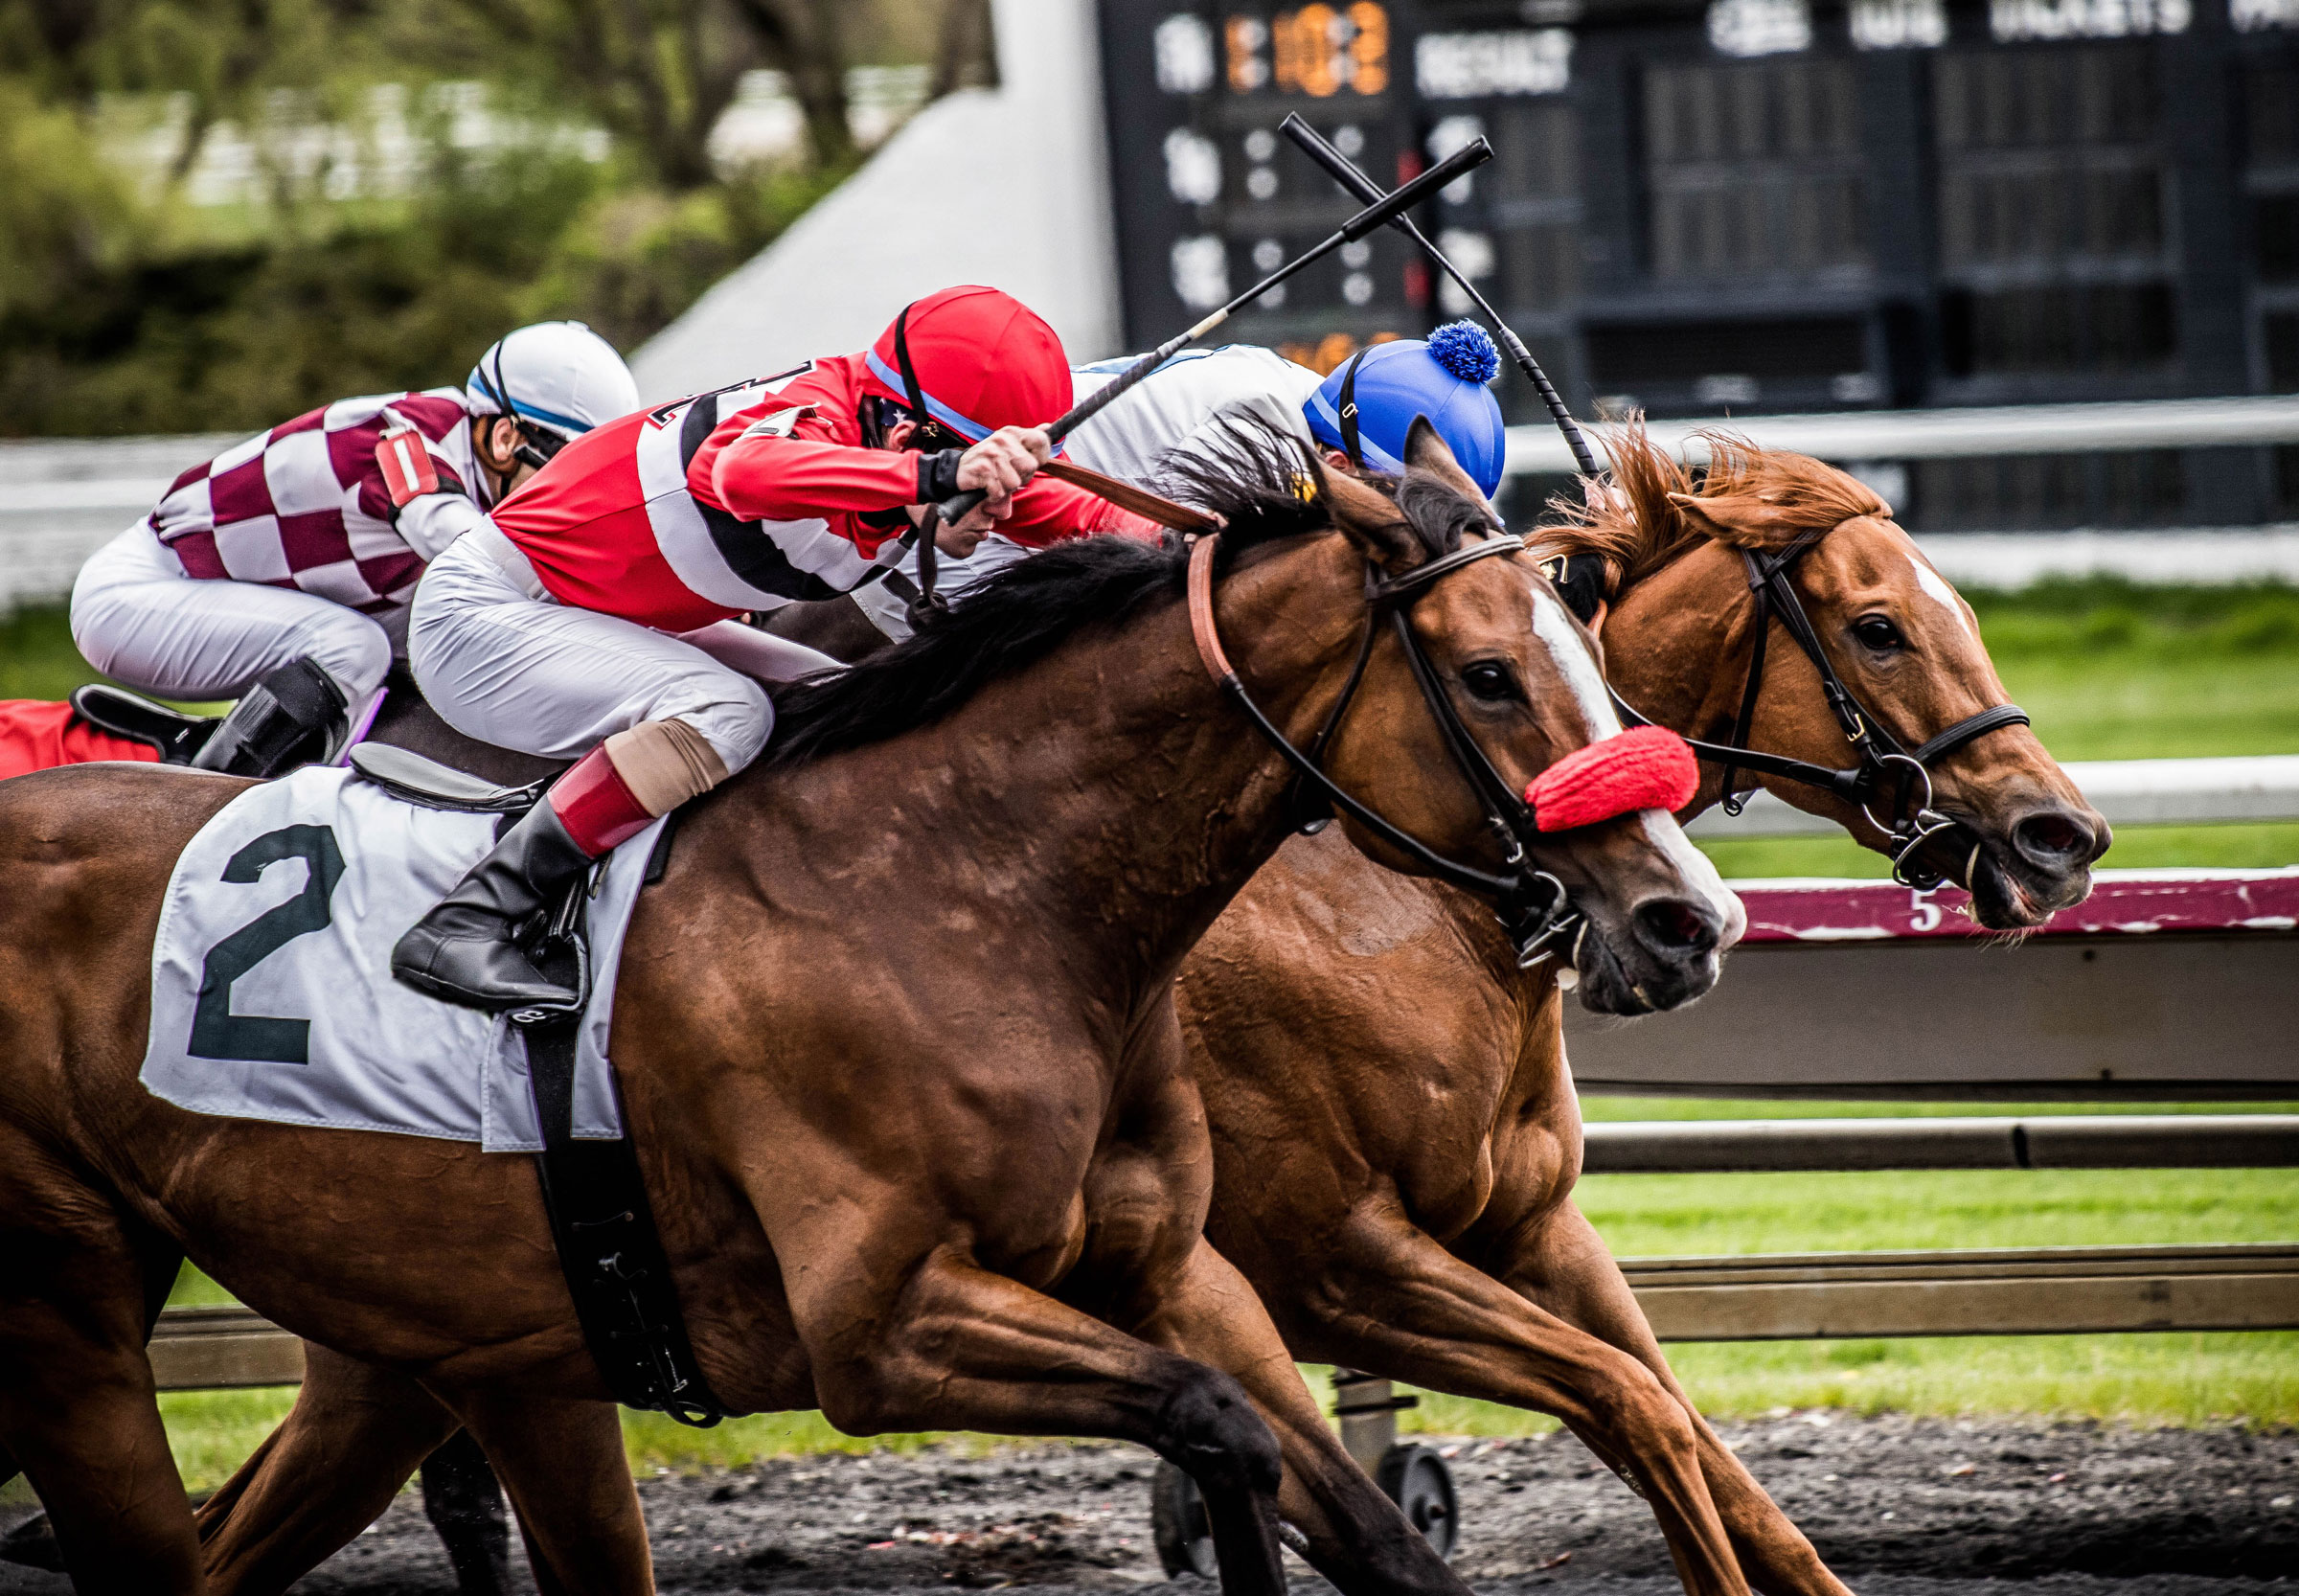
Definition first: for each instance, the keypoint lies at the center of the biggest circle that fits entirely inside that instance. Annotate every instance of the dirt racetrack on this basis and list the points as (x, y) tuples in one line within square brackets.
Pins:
[(1900, 1507)]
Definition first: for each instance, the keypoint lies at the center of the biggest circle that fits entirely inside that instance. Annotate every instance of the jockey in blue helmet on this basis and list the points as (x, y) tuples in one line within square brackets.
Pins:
[(1365, 408), (1357, 418)]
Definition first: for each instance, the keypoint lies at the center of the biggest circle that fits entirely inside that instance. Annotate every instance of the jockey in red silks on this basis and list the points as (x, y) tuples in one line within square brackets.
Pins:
[(597, 615)]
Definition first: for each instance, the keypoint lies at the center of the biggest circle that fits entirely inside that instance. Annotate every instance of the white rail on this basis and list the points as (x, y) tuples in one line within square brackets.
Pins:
[(2128, 793), (61, 499), (1858, 435)]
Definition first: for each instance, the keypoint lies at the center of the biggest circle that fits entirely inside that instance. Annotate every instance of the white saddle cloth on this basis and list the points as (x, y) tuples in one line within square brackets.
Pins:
[(271, 989)]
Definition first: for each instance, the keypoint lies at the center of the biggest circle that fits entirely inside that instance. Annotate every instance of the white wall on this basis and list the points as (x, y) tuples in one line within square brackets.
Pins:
[(1007, 187)]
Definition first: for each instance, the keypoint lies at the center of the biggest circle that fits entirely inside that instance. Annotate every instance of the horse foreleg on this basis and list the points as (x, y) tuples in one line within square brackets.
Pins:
[(1568, 1271), (1389, 1300), (1355, 1535), (940, 1343), (563, 1461), (356, 1434)]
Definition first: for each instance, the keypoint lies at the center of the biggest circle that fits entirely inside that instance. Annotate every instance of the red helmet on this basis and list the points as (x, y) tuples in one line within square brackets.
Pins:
[(983, 360)]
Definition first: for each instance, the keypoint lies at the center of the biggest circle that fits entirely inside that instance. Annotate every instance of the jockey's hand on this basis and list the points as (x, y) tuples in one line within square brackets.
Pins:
[(1002, 462)]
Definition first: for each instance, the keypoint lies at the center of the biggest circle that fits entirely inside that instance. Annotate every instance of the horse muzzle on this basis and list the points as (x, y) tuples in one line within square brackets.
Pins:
[(1662, 953), (2022, 873)]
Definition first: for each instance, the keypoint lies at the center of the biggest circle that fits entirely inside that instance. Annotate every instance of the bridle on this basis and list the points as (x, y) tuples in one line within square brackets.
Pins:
[(1883, 760), (1533, 907)]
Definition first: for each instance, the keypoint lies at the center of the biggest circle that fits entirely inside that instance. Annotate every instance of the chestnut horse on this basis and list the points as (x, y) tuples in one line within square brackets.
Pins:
[(1396, 1133), (911, 1105)]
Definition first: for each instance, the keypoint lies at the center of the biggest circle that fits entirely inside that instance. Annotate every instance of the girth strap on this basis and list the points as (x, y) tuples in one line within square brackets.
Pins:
[(609, 1246)]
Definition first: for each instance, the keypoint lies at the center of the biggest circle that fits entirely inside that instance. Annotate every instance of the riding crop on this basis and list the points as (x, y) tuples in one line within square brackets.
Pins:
[(1365, 190), (1384, 208)]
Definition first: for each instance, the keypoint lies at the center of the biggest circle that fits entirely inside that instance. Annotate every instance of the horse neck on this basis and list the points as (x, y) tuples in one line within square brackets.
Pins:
[(1112, 794)]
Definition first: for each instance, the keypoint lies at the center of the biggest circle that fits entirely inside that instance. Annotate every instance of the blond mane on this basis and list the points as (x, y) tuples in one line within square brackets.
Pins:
[(1639, 527)]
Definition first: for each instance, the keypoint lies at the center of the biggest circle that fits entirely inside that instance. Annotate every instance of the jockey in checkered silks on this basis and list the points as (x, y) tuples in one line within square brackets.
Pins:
[(279, 572)]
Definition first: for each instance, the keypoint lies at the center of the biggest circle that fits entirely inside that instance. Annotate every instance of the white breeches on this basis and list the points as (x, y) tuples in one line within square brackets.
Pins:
[(503, 661), (890, 612), (140, 620)]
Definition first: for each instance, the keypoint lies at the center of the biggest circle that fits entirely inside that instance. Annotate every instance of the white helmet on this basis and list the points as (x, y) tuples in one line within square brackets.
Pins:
[(560, 377)]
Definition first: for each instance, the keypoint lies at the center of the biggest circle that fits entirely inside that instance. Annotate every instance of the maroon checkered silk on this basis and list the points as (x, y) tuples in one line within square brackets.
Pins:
[(304, 505)]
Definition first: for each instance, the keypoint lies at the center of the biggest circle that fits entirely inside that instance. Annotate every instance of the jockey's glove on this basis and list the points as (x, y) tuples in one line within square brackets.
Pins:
[(937, 476)]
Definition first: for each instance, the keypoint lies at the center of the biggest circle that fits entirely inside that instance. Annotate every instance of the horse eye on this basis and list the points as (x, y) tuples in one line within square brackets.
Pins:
[(1876, 632), (1489, 682)]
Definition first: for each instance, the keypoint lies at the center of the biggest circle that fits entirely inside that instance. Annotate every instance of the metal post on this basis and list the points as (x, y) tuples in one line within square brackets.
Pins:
[(1367, 1408)]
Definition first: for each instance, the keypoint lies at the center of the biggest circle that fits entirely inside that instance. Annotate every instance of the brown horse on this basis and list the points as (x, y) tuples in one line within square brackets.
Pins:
[(1396, 1132), (911, 1105)]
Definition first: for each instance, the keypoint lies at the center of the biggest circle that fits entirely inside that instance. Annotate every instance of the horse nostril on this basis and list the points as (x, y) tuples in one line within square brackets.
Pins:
[(1677, 925), (2053, 841)]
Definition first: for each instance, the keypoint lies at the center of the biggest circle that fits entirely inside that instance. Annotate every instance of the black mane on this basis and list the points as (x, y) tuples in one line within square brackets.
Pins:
[(1020, 615)]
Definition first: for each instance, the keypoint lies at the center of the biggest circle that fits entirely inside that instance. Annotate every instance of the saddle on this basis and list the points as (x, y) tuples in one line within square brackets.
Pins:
[(177, 735), (433, 786)]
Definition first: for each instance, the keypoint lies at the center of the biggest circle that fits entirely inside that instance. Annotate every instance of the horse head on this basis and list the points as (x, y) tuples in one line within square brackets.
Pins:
[(1870, 666), (1470, 681)]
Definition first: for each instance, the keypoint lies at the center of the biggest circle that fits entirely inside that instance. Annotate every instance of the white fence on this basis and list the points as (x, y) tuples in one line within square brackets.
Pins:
[(60, 499), (1877, 447)]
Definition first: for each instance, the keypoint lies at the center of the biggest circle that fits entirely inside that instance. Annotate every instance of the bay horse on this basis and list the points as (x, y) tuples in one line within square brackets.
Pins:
[(1396, 1133), (897, 1045)]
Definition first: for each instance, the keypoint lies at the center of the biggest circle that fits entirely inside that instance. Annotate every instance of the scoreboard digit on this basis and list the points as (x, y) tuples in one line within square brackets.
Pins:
[(1209, 196)]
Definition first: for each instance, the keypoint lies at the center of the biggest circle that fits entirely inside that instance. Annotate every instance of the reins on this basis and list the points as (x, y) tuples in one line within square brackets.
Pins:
[(1911, 825), (1533, 907)]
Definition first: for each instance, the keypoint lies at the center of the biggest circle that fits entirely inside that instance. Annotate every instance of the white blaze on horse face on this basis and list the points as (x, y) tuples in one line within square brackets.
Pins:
[(1698, 870), (1554, 627), (1936, 585)]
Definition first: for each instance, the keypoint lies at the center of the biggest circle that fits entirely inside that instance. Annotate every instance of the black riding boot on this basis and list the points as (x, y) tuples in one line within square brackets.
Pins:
[(293, 716), (468, 950)]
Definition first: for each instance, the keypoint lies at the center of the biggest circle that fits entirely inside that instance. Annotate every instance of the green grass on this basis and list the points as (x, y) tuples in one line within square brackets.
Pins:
[(2139, 1379), (37, 656), (1698, 1215), (2245, 846), (212, 1432), (1594, 1107)]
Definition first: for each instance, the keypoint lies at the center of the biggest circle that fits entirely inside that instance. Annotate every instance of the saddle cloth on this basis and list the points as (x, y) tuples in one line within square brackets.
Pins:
[(271, 989)]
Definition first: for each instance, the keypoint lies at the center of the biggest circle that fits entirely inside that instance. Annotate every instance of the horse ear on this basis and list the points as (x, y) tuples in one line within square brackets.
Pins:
[(1368, 517), (1743, 520), (1426, 450)]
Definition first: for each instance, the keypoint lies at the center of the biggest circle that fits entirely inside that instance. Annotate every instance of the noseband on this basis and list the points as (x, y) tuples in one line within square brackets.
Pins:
[(1912, 820), (1533, 907)]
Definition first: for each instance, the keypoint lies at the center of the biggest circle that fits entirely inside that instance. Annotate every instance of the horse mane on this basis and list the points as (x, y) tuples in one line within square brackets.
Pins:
[(1254, 478), (1640, 529)]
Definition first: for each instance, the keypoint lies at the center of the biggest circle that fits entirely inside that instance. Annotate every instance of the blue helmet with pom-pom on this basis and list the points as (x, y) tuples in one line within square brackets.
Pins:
[(1444, 379)]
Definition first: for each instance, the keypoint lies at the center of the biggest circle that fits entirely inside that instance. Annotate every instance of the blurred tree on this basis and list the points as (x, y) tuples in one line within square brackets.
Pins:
[(806, 40), (658, 74), (966, 51)]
